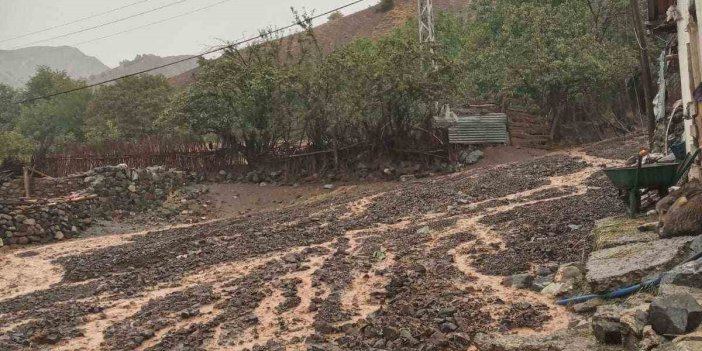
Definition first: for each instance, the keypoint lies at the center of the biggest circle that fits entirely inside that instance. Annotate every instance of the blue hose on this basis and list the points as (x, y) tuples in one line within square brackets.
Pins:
[(612, 294), (625, 291)]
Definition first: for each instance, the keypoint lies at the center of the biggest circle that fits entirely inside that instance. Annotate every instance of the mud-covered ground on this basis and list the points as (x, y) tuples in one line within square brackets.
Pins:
[(405, 266)]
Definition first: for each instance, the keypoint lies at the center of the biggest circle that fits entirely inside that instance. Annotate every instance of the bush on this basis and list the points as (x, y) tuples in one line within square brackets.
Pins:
[(386, 5)]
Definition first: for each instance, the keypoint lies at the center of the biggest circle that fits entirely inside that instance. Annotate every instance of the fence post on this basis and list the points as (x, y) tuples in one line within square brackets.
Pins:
[(25, 174)]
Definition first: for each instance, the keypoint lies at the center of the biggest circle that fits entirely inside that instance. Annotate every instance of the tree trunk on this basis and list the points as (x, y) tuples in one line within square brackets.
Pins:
[(645, 70)]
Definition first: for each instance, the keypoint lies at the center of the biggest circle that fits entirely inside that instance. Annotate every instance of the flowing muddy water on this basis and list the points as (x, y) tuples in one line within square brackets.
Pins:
[(324, 272)]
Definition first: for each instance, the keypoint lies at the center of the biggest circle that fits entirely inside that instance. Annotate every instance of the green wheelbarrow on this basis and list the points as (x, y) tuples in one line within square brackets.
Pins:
[(636, 180)]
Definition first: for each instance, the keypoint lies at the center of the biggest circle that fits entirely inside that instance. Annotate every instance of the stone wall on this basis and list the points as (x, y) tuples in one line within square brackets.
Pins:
[(86, 197), (23, 223), (41, 187)]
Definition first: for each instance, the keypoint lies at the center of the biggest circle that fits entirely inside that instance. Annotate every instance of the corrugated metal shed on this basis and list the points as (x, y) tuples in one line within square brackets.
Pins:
[(484, 129)]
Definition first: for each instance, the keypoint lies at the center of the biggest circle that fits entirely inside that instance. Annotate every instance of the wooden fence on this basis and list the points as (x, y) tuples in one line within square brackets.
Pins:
[(181, 154)]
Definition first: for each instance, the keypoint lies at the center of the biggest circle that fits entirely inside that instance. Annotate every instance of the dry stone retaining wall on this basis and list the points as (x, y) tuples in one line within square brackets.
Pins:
[(94, 194)]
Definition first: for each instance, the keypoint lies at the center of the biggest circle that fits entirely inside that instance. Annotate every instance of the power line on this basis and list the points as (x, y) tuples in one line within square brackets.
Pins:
[(74, 21), (260, 36), (106, 24), (152, 23)]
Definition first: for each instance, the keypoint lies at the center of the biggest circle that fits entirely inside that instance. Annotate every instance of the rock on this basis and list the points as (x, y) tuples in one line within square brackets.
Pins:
[(58, 235), (541, 282), (423, 230), (328, 186), (447, 327), (1, 243), (519, 281), (616, 231), (558, 289), (132, 188), (650, 339), (568, 273), (587, 306), (30, 221), (390, 333), (607, 332), (689, 342), (606, 325), (471, 157), (574, 227), (626, 265), (688, 274), (675, 314), (407, 177)]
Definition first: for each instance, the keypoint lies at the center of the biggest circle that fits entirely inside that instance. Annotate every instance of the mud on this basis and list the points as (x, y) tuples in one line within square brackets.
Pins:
[(405, 266)]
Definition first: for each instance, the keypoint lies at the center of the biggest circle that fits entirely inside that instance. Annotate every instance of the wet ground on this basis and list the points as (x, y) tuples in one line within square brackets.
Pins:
[(401, 266)]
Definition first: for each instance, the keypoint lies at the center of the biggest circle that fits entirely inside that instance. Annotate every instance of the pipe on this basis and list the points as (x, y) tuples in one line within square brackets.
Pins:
[(624, 291)]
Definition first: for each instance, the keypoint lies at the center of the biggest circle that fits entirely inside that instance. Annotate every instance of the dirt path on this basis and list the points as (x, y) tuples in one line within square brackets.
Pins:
[(409, 266)]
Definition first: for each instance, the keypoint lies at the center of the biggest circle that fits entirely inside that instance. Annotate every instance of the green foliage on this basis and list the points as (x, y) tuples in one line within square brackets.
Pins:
[(285, 92), (9, 108), (386, 5), (565, 58), (128, 110), (336, 15), (13, 144), (51, 122)]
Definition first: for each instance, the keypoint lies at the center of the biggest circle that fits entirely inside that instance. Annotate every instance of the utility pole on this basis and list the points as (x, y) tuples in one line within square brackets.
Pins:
[(645, 69), (425, 17), (425, 14)]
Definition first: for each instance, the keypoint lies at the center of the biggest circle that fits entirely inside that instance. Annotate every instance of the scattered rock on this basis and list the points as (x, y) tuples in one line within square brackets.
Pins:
[(328, 186), (675, 314), (423, 231), (688, 274), (519, 281)]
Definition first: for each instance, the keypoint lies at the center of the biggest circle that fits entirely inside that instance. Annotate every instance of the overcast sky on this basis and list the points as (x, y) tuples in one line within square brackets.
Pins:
[(193, 33)]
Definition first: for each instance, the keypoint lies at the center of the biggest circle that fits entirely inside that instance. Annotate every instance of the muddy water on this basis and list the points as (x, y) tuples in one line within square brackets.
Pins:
[(32, 269)]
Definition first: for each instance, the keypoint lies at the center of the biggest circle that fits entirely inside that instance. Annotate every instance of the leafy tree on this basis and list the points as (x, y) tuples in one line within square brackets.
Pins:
[(14, 145), (9, 107), (129, 109), (51, 122), (558, 56)]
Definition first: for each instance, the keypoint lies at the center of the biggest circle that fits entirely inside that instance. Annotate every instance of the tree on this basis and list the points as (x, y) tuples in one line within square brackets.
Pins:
[(129, 109), (335, 16), (549, 55), (386, 5), (54, 121), (9, 107), (14, 145)]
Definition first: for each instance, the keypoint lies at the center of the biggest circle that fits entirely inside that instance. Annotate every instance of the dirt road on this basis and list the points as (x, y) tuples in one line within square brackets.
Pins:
[(404, 266)]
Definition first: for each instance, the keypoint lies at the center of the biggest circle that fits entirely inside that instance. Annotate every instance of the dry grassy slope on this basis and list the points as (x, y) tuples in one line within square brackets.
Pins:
[(368, 23)]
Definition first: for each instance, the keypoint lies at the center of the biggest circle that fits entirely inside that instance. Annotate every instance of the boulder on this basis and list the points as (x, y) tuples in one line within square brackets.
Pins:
[(626, 265), (689, 274), (675, 314)]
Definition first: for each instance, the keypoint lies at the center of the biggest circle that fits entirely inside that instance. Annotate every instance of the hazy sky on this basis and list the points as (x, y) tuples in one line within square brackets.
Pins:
[(232, 20)]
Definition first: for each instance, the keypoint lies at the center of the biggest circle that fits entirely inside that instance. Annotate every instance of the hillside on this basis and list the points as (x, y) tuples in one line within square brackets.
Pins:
[(17, 66), (142, 62), (368, 23)]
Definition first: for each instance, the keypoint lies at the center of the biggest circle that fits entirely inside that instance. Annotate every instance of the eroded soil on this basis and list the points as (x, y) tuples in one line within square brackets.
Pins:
[(397, 266)]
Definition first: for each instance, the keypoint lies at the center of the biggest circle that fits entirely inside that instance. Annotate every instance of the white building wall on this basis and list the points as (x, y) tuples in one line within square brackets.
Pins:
[(683, 41)]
